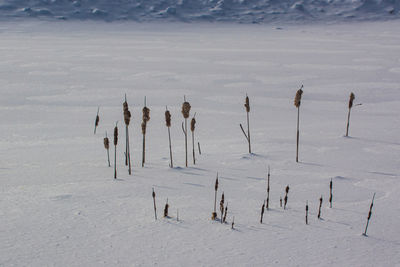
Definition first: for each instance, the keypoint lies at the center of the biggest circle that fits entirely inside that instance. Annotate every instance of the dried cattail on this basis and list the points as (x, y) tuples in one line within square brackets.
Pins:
[(214, 214), (369, 215), (297, 99), (286, 196), (186, 109), (166, 209), (233, 222), (330, 194), (192, 124), (96, 122), (144, 125), (247, 136), (106, 142), (168, 118), (221, 206), (107, 147), (154, 203), (115, 149), (168, 123), (262, 212), (247, 104), (319, 209), (116, 134), (146, 114), (127, 117), (307, 213), (226, 211), (280, 201), (192, 127), (352, 97)]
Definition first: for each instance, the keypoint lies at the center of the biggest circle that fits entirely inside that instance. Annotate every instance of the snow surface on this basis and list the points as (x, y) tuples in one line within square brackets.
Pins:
[(243, 11), (59, 203)]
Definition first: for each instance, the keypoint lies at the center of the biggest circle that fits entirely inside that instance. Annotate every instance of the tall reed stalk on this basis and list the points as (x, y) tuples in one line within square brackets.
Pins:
[(185, 112), (115, 149), (127, 119), (297, 102), (146, 118), (96, 122), (247, 136), (168, 124), (351, 99), (107, 147), (192, 127)]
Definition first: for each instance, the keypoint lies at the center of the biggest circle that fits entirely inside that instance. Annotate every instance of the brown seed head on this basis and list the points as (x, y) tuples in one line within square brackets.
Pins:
[(115, 135), (127, 116), (106, 143), (125, 106), (144, 125), (352, 97), (247, 104), (96, 123), (216, 183), (186, 109), (192, 124), (168, 118), (297, 99), (146, 114)]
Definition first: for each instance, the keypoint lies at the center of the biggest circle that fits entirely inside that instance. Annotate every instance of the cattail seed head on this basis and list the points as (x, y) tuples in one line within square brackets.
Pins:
[(216, 183), (144, 125), (297, 99), (106, 143), (127, 116), (115, 135), (96, 123), (192, 124), (168, 118), (125, 106), (247, 104), (352, 97), (146, 114), (186, 109)]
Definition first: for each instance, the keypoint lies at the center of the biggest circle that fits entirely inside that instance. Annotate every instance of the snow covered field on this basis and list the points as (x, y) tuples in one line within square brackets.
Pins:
[(59, 203)]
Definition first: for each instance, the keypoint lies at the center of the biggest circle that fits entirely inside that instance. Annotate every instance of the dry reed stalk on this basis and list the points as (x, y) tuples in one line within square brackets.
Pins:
[(107, 147), (286, 196), (198, 145), (166, 209), (267, 206), (330, 194), (221, 205), (214, 214), (369, 215), (154, 204), (351, 99), (127, 119), (168, 124), (307, 213), (96, 122), (319, 209), (262, 212), (185, 112), (115, 150), (280, 201), (297, 102), (145, 118), (192, 127), (233, 222), (247, 136)]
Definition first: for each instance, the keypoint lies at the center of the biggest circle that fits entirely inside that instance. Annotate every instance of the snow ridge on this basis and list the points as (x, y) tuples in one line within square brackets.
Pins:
[(242, 11)]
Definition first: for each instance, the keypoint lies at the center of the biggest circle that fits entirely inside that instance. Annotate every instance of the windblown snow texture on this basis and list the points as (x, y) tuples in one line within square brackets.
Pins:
[(242, 11)]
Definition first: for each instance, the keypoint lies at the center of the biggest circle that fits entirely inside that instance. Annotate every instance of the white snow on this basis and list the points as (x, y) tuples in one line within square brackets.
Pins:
[(59, 203)]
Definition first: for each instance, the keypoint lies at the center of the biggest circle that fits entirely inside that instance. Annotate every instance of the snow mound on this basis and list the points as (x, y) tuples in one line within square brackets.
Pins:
[(242, 11)]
